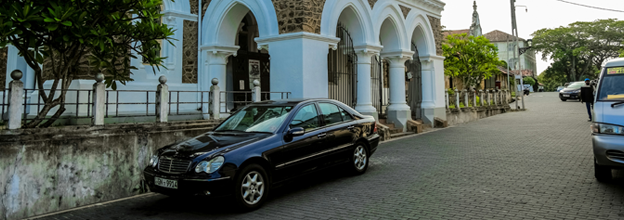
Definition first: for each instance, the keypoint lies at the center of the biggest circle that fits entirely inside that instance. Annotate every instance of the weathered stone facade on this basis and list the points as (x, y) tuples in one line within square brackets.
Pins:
[(405, 10), (3, 66), (189, 56), (372, 3), (83, 71), (299, 15), (436, 27)]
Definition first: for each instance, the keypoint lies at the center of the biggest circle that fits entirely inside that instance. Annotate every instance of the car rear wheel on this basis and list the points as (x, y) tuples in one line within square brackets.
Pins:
[(359, 159), (252, 187), (602, 173), (563, 100)]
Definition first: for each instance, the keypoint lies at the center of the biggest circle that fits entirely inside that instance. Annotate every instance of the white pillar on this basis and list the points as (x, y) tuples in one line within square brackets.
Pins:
[(16, 100), (215, 99), (162, 100), (99, 96), (217, 61), (364, 100), (398, 110), (256, 92)]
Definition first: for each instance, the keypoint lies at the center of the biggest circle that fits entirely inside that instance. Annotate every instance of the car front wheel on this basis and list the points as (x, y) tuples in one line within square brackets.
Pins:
[(602, 173), (252, 187), (563, 100), (359, 159)]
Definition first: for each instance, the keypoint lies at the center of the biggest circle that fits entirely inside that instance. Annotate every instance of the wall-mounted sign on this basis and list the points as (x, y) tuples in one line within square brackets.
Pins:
[(254, 72)]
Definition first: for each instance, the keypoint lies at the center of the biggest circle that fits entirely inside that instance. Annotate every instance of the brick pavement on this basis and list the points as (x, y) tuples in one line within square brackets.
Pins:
[(535, 164)]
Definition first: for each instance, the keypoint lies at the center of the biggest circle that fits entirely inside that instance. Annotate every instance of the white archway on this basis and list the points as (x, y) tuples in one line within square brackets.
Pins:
[(219, 25), (422, 34), (389, 23), (355, 15)]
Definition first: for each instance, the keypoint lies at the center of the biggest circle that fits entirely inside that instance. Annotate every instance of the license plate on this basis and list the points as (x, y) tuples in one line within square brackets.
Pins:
[(566, 95), (172, 184)]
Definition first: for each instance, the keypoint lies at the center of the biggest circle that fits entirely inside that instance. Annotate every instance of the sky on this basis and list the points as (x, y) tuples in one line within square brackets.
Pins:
[(496, 15)]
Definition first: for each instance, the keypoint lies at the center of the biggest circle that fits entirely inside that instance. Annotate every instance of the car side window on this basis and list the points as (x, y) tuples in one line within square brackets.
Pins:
[(345, 115), (331, 113), (306, 117)]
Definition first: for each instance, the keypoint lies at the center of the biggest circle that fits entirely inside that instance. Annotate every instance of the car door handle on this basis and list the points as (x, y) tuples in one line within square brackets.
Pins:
[(322, 135)]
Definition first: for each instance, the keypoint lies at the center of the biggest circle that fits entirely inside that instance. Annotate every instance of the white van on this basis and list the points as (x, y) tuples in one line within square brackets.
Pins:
[(608, 126)]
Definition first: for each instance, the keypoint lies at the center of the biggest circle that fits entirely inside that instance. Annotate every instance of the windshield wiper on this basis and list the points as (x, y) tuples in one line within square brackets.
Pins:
[(229, 130), (616, 104)]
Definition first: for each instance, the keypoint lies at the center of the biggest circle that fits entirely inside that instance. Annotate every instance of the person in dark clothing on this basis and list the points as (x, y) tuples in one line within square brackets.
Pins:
[(587, 97)]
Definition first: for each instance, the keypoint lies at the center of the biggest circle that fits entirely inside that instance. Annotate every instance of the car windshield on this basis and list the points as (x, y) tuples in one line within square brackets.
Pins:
[(576, 85), (256, 119), (611, 87)]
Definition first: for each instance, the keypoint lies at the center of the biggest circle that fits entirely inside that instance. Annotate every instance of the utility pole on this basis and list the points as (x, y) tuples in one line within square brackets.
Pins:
[(514, 32)]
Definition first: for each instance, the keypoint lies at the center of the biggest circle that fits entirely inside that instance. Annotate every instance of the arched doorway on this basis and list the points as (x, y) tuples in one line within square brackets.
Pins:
[(342, 69), (248, 65), (414, 83)]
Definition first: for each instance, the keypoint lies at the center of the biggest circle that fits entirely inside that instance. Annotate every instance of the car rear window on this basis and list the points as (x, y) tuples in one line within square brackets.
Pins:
[(612, 84)]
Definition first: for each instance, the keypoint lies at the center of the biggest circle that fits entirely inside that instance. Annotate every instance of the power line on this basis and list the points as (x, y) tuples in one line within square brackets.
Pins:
[(589, 6)]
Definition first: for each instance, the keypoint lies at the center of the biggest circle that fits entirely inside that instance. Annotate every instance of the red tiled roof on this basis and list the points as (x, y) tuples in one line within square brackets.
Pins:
[(449, 32), (516, 72), (499, 36)]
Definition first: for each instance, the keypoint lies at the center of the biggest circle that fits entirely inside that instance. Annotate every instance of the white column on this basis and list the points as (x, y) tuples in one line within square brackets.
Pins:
[(162, 100), (99, 100), (364, 98), (217, 61), (16, 100), (398, 110)]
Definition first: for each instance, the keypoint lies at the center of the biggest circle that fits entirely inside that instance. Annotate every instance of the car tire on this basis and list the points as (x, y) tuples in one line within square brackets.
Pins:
[(563, 100), (359, 159), (602, 173), (251, 187)]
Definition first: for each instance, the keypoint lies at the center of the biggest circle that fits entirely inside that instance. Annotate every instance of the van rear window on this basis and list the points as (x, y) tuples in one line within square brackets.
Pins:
[(612, 85)]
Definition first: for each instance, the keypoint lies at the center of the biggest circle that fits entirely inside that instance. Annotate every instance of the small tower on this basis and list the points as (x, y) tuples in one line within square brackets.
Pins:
[(475, 28)]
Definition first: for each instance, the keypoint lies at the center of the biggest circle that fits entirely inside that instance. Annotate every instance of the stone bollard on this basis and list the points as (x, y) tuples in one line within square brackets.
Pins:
[(162, 100), (495, 96), (474, 98), (489, 97), (466, 102), (446, 98), (457, 99), (99, 95), (481, 99), (216, 99), (256, 92), (16, 100)]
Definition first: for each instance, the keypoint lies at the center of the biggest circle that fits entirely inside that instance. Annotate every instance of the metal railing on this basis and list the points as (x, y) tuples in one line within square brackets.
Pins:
[(76, 105), (116, 103), (240, 99), (204, 99), (4, 104)]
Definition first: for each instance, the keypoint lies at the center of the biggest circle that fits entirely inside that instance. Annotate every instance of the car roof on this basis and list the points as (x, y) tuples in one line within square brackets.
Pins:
[(289, 101), (615, 62)]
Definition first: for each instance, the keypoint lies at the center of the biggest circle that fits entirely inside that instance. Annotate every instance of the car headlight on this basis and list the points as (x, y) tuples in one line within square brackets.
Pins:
[(599, 128), (153, 160), (210, 166)]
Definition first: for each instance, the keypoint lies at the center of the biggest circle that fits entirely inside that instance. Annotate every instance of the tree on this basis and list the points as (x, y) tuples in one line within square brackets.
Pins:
[(101, 34), (581, 47), (471, 59), (529, 80)]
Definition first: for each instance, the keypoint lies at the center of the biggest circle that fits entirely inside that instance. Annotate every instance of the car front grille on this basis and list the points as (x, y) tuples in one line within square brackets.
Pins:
[(614, 154), (171, 165)]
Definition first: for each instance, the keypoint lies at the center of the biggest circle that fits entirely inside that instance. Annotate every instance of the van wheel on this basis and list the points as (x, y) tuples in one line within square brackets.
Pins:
[(602, 173)]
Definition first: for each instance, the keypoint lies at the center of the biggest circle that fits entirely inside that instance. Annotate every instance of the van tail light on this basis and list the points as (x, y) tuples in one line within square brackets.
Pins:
[(375, 128)]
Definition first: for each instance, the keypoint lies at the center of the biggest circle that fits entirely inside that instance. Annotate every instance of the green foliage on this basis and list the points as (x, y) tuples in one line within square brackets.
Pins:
[(451, 91), (579, 49), (528, 80), (101, 34), (470, 58)]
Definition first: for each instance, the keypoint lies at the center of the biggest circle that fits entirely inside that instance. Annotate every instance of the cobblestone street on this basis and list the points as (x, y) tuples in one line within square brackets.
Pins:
[(535, 164)]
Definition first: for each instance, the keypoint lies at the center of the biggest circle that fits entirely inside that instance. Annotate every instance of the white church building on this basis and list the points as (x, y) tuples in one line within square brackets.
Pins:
[(383, 57)]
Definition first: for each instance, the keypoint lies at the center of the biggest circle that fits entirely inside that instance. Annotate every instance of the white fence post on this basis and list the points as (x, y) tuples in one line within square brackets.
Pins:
[(99, 108), (474, 98), (162, 100), (495, 95), (256, 92), (457, 99), (216, 99), (481, 98), (16, 100), (446, 97), (489, 97), (466, 101)]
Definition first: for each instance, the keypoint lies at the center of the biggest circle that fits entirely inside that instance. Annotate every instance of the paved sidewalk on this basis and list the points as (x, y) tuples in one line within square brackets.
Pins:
[(534, 164)]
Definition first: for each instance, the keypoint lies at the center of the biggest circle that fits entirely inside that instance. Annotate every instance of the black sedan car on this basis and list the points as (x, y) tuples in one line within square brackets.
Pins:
[(262, 145), (572, 91)]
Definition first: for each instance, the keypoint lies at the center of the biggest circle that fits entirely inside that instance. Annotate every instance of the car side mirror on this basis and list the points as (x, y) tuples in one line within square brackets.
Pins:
[(297, 131)]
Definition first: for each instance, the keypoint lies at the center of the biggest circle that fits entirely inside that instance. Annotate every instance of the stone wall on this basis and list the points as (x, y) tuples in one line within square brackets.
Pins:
[(465, 115), (436, 26), (299, 15), (3, 66), (405, 10), (372, 3), (47, 170)]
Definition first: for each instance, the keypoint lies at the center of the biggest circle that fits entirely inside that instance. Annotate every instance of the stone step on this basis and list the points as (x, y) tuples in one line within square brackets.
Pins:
[(397, 135), (395, 130)]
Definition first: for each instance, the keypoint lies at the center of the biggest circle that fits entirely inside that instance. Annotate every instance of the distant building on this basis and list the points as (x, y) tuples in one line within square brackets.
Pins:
[(505, 44)]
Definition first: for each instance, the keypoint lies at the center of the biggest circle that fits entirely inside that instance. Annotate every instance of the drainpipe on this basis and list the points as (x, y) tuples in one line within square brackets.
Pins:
[(199, 28)]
